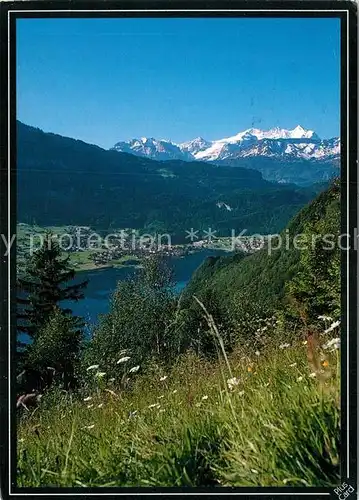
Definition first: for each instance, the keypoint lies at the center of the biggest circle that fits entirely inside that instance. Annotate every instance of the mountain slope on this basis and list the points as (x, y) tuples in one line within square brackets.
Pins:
[(66, 181), (289, 156), (261, 276)]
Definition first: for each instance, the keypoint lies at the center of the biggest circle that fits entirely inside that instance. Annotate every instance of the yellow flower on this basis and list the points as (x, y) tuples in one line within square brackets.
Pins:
[(325, 363), (250, 369)]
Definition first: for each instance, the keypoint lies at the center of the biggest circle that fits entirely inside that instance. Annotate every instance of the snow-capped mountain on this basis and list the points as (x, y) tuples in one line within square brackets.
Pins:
[(195, 146), (153, 148), (298, 143)]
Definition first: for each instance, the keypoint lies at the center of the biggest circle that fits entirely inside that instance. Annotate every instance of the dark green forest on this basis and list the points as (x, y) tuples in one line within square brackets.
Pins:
[(118, 190)]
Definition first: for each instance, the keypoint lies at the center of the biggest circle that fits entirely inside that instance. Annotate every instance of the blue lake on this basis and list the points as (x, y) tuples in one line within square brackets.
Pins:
[(102, 282)]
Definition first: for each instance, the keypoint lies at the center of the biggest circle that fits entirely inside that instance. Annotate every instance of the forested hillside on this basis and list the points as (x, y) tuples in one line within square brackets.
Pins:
[(119, 190), (238, 285)]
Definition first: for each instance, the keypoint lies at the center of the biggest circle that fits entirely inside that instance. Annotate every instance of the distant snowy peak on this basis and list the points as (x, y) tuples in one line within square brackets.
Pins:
[(152, 148), (195, 146), (277, 142)]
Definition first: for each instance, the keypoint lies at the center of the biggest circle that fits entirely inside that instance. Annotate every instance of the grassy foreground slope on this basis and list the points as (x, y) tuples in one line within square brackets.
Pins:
[(277, 425)]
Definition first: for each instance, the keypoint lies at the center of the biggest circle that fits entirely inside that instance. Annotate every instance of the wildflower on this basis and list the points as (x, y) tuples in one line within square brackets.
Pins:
[(100, 405), (155, 405), (232, 382), (249, 369), (305, 342), (134, 369), (89, 426), (92, 367), (332, 327), (123, 360), (284, 346), (88, 398), (89, 406), (254, 471), (257, 353), (174, 392), (204, 398), (325, 318), (312, 375), (111, 392), (325, 363), (293, 365), (163, 378), (162, 410), (100, 374), (334, 344), (299, 379), (241, 393)]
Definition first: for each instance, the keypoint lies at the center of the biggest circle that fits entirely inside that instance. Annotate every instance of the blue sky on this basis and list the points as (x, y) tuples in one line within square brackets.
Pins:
[(105, 80)]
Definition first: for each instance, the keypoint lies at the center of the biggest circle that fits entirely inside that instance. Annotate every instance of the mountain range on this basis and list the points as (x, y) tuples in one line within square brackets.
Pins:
[(278, 143), (63, 181)]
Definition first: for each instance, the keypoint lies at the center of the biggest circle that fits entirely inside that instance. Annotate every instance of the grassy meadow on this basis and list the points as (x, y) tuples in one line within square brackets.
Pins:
[(269, 417)]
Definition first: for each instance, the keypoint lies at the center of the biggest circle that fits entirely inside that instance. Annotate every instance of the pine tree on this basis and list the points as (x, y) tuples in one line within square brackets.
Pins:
[(44, 286)]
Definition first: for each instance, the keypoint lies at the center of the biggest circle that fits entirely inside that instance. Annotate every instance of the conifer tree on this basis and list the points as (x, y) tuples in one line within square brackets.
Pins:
[(44, 286)]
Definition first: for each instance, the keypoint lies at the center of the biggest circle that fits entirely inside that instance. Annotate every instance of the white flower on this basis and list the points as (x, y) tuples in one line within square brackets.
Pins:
[(162, 410), (88, 398), (299, 379), (204, 398), (284, 346), (155, 405), (312, 375), (100, 405), (163, 378), (111, 392), (293, 365), (174, 392), (89, 426), (134, 369), (232, 382), (334, 344), (325, 318), (242, 392), (89, 406), (100, 374), (92, 367), (254, 471), (332, 327), (257, 353), (123, 360)]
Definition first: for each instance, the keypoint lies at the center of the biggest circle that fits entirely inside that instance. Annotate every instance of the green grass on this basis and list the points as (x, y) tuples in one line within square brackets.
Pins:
[(277, 427)]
